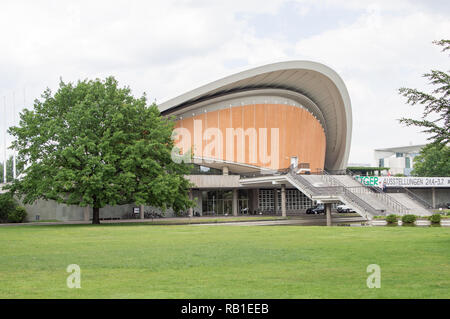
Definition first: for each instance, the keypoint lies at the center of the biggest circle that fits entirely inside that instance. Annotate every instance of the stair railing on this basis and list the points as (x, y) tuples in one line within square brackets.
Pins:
[(337, 189), (385, 198), (388, 200), (416, 197)]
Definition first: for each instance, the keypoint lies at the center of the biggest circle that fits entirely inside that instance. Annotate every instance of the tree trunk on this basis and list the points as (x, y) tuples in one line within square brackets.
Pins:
[(96, 215)]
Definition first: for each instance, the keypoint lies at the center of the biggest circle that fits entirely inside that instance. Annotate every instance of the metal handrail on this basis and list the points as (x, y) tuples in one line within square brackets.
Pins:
[(338, 190), (361, 203), (306, 185), (347, 191), (264, 173), (388, 200), (423, 202), (413, 196)]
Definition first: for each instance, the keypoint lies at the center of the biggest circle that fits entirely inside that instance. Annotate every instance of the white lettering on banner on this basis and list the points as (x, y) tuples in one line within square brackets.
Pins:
[(391, 181)]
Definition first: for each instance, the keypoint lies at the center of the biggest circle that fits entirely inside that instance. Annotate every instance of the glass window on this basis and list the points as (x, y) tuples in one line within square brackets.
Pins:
[(220, 202), (295, 200), (203, 170), (266, 200)]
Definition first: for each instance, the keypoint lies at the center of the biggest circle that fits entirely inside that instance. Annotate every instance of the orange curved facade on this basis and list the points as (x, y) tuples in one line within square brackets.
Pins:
[(274, 134)]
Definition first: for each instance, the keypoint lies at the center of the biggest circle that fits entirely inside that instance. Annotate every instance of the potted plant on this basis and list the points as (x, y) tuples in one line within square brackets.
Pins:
[(435, 218), (391, 219), (408, 220)]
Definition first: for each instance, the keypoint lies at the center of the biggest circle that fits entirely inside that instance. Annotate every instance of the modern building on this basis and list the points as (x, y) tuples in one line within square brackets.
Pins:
[(270, 140), (400, 160), (258, 123)]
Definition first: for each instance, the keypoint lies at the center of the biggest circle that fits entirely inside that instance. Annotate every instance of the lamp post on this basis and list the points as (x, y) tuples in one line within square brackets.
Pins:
[(14, 123), (4, 141)]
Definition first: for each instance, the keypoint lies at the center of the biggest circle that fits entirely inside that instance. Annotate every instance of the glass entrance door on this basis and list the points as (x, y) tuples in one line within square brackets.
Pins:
[(220, 202), (243, 206), (227, 207)]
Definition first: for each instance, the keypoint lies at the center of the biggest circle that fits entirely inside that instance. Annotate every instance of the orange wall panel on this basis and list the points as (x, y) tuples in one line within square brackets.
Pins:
[(300, 134)]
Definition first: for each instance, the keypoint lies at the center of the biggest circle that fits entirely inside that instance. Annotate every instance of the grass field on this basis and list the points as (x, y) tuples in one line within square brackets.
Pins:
[(145, 261), (197, 220), (177, 220)]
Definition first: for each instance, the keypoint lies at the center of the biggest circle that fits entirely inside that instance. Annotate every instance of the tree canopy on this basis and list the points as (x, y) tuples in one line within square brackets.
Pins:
[(93, 143), (434, 161), (436, 115)]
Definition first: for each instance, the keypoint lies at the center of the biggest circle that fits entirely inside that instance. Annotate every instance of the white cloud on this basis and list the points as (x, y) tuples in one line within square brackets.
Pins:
[(376, 55), (169, 47)]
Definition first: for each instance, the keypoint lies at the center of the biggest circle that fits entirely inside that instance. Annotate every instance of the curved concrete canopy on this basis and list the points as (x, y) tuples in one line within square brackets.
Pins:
[(317, 82)]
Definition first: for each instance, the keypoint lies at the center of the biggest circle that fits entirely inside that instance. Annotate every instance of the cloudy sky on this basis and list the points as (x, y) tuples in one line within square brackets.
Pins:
[(169, 47)]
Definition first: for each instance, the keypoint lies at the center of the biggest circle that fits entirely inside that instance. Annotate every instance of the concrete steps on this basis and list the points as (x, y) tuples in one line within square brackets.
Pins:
[(347, 180), (415, 207), (315, 180), (370, 198), (319, 185), (383, 203)]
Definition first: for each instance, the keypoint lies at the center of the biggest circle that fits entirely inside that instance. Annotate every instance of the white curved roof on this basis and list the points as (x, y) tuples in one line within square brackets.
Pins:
[(316, 81)]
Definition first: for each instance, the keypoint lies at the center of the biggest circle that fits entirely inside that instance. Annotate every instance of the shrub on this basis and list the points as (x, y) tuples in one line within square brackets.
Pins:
[(435, 218), (408, 219), (7, 206), (18, 215), (391, 219)]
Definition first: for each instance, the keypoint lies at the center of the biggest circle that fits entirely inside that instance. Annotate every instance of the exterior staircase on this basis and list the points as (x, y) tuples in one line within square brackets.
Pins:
[(365, 200), (332, 194), (368, 201), (414, 204)]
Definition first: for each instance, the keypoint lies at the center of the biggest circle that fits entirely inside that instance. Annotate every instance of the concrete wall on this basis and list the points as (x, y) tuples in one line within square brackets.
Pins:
[(214, 181), (52, 210), (442, 195), (300, 134)]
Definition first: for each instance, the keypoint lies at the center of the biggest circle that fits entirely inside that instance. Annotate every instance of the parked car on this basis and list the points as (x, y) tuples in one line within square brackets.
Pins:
[(318, 209), (344, 209)]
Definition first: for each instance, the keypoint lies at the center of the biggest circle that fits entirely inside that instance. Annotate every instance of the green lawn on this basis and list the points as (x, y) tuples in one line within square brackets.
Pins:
[(145, 261), (203, 220)]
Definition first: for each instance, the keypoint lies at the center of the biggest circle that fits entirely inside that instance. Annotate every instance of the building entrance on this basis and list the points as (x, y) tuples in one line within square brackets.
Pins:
[(220, 202)]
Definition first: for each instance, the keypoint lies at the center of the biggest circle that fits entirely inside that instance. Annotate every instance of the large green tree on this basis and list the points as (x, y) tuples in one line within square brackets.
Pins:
[(436, 115), (93, 143), (434, 160)]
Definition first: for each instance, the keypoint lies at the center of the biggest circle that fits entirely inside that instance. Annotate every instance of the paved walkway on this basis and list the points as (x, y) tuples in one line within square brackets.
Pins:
[(196, 221), (169, 220), (309, 221)]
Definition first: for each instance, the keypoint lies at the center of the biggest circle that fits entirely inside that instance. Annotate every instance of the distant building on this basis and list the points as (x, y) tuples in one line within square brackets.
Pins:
[(358, 165), (400, 160)]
